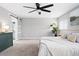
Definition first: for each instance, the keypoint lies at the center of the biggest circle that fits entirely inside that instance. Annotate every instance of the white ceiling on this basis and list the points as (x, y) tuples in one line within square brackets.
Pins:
[(57, 10)]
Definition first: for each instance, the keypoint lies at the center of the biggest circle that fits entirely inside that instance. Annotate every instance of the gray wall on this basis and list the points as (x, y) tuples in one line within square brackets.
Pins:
[(36, 27), (66, 21), (5, 17)]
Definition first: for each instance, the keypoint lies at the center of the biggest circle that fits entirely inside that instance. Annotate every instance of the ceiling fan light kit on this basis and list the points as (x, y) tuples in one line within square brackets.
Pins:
[(39, 13), (43, 8)]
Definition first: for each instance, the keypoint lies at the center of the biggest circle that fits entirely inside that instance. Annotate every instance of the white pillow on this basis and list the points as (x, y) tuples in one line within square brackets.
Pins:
[(63, 35)]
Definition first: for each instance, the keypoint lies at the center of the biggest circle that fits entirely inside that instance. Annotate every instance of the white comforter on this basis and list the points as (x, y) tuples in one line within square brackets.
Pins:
[(58, 47)]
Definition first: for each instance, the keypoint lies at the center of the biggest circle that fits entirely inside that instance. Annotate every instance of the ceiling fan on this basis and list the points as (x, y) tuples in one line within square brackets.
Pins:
[(43, 8)]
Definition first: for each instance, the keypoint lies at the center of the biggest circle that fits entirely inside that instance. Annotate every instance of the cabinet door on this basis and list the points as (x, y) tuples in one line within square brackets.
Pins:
[(6, 40), (3, 43)]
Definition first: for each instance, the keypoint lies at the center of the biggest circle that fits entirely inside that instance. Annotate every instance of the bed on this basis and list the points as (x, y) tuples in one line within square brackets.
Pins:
[(57, 46)]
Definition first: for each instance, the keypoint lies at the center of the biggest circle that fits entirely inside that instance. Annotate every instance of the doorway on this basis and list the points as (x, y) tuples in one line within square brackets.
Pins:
[(15, 28)]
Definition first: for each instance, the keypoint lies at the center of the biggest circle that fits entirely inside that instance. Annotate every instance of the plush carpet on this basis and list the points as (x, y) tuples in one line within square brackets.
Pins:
[(22, 48)]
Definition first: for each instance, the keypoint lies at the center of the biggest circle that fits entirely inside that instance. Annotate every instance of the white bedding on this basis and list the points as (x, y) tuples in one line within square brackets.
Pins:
[(58, 47)]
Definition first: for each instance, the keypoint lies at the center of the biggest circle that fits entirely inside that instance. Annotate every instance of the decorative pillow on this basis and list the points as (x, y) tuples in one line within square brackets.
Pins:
[(77, 40), (71, 38), (77, 36)]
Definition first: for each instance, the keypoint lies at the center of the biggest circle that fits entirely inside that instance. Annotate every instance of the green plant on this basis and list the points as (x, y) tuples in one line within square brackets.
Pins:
[(54, 29)]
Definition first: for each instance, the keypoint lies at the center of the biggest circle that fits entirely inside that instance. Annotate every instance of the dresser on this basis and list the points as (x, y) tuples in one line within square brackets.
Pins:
[(6, 40)]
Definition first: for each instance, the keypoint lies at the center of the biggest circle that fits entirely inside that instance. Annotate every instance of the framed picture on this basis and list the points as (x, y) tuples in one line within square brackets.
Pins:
[(74, 21)]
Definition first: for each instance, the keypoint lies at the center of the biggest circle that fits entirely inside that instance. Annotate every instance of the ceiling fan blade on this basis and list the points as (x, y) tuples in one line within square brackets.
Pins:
[(45, 10), (47, 6), (29, 7), (32, 11), (37, 5)]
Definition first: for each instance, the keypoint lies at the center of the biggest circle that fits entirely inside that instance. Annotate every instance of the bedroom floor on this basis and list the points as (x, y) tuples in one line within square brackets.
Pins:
[(22, 48)]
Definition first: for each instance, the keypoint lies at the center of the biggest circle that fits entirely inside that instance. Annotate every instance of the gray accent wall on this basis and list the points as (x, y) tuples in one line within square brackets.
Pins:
[(36, 27)]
